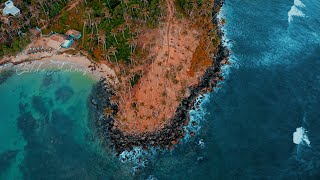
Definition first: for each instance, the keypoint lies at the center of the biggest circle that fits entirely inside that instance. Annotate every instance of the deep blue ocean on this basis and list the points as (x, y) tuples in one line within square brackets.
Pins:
[(262, 122)]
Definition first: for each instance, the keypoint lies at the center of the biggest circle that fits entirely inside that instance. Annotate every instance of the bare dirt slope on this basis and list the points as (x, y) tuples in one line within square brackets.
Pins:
[(164, 84)]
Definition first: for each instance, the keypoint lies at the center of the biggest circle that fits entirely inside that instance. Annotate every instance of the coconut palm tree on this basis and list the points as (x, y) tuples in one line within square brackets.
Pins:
[(132, 31), (135, 7), (107, 55), (137, 30), (122, 28), (113, 51), (127, 20), (161, 8), (131, 58), (114, 33), (83, 30), (126, 3), (42, 5), (132, 43), (97, 21), (108, 2), (102, 39), (89, 12), (145, 13), (107, 14), (145, 2)]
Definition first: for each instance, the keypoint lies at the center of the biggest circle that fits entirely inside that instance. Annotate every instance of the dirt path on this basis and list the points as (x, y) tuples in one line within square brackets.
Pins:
[(170, 18), (73, 5), (169, 21)]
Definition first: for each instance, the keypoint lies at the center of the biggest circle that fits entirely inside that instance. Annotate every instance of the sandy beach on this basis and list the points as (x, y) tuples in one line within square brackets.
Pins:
[(67, 63)]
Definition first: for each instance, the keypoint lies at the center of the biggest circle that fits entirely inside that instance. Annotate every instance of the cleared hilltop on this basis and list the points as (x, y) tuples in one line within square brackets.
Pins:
[(177, 53)]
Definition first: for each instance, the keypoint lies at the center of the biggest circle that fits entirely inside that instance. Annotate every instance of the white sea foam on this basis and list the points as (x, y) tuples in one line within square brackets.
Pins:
[(5, 66), (226, 41), (197, 116), (300, 137), (299, 3), (137, 156), (294, 11), (201, 143), (152, 177)]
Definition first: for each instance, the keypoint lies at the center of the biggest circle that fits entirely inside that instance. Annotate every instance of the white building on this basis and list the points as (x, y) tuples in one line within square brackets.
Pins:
[(10, 9)]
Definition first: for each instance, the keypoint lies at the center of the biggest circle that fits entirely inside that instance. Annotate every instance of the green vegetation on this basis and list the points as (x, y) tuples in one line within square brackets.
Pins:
[(189, 5), (216, 40), (195, 8), (55, 8), (135, 78), (110, 28), (16, 45)]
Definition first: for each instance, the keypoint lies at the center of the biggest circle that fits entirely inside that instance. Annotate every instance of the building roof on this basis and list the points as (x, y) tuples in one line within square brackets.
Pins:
[(72, 32), (10, 9)]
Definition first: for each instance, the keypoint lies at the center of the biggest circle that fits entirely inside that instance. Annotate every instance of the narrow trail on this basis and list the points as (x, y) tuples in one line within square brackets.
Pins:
[(169, 21), (170, 18), (73, 5)]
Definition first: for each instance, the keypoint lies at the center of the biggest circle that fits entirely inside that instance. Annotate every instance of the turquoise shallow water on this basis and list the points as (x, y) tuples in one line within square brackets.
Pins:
[(45, 132)]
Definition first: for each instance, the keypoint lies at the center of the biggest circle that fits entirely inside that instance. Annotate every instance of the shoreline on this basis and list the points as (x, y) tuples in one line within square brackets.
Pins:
[(173, 131), (64, 63)]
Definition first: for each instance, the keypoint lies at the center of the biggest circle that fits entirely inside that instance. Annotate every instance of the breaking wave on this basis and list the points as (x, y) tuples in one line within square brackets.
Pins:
[(138, 157), (295, 11), (299, 3), (300, 137), (197, 116)]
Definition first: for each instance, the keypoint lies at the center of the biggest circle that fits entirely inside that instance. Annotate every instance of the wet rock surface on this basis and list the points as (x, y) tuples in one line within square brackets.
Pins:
[(174, 131)]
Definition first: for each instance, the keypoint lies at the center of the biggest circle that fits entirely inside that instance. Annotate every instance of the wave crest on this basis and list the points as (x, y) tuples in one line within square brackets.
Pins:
[(295, 11), (300, 137), (299, 3)]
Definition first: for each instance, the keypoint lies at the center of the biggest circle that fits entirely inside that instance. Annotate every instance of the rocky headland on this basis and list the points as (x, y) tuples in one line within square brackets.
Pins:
[(101, 100)]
